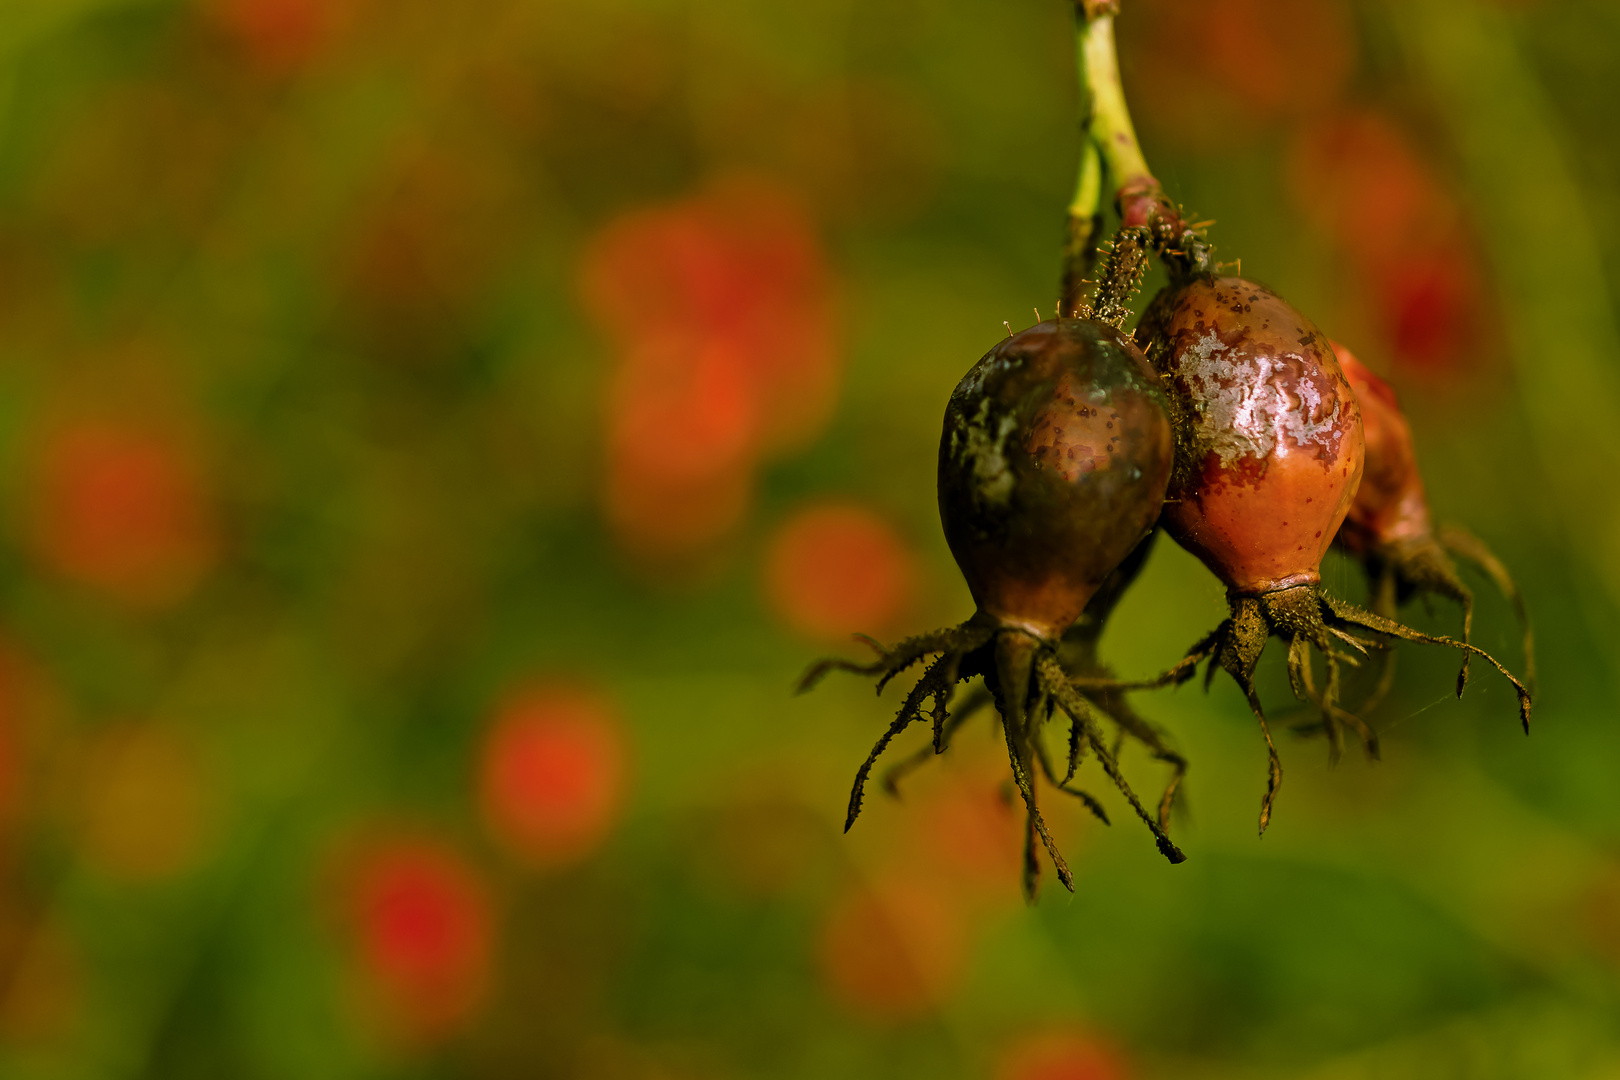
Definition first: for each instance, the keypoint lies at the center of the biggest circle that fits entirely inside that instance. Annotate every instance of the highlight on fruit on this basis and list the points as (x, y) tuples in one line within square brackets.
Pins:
[(1229, 421)]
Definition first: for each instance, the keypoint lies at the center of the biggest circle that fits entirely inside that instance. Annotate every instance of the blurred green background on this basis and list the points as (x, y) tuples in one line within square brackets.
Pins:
[(434, 436)]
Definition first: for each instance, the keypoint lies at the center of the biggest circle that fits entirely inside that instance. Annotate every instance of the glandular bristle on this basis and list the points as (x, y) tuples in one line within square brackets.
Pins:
[(1123, 268)]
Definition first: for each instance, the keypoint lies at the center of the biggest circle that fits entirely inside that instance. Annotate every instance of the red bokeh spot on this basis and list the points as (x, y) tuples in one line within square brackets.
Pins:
[(835, 569), (1359, 178), (1430, 303), (1223, 70), (551, 779), (1061, 1056), (974, 834), (1277, 56), (721, 309), (682, 422), (740, 264), (1363, 181), (279, 36), (424, 935), (892, 952), (121, 509), (682, 410)]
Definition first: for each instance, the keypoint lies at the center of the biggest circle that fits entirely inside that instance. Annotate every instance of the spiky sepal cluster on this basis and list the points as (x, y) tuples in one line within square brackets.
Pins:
[(1305, 617), (1423, 566), (1029, 687)]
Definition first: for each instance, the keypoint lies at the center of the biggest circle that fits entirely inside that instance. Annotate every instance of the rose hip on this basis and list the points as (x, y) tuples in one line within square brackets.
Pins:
[(1269, 433), (1052, 467), (1390, 531), (1269, 454)]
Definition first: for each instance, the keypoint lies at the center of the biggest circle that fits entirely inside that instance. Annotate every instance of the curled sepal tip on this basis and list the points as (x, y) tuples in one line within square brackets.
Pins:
[(1350, 613)]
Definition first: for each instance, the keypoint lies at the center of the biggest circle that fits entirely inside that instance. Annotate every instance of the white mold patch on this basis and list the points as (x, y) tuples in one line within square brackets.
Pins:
[(980, 447), (1255, 405)]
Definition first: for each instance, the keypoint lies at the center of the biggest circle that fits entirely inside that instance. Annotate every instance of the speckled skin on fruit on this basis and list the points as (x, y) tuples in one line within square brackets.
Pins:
[(1268, 432), (1052, 466), (1390, 505)]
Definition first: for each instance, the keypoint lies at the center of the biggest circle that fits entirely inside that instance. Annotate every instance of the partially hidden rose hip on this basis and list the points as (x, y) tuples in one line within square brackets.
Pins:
[(1390, 531), (1052, 467), (1269, 454)]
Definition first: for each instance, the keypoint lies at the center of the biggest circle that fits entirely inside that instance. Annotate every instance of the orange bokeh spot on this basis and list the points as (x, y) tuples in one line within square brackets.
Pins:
[(1431, 306), (1365, 184), (660, 520), (145, 802), (682, 409), (741, 264), (973, 834), (424, 935), (122, 510), (721, 308), (837, 568), (1226, 69), (280, 36), (1360, 179), (551, 775), (681, 434), (894, 951), (42, 997), (1061, 1056), (1278, 56)]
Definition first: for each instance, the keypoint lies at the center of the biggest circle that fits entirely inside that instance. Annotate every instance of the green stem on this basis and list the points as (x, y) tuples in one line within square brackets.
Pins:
[(1088, 191), (1138, 196), (1084, 228), (1109, 123)]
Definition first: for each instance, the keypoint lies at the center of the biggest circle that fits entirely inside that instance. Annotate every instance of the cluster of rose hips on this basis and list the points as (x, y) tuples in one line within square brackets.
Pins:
[(1231, 422)]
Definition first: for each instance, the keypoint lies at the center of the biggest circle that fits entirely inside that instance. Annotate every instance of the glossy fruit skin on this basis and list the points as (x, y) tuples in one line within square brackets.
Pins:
[(1268, 431), (1390, 505), (1052, 466)]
